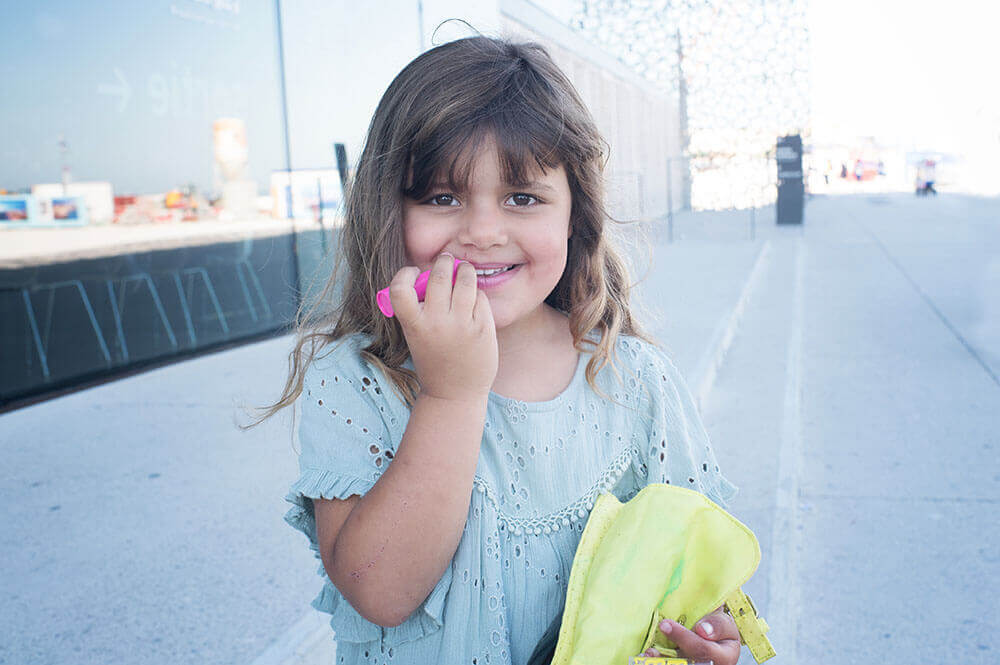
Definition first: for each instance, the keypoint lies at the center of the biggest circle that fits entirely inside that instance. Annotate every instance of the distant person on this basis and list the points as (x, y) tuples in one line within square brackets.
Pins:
[(926, 177), (843, 170), (450, 453)]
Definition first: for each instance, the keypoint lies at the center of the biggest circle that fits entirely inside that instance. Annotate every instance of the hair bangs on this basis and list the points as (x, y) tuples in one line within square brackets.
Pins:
[(523, 153), (527, 147), (444, 159)]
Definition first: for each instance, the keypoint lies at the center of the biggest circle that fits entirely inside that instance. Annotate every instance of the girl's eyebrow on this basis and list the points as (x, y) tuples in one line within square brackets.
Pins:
[(538, 185), (534, 184)]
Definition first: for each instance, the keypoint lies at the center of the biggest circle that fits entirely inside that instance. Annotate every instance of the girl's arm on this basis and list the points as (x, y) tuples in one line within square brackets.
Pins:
[(385, 551)]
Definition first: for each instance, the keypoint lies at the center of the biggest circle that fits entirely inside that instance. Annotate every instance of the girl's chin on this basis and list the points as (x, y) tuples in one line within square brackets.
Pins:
[(503, 319)]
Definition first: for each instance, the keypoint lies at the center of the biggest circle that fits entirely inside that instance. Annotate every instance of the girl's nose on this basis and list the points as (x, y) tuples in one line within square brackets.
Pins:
[(483, 227)]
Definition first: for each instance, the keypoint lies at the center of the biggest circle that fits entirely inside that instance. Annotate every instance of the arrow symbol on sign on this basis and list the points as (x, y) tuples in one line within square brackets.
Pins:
[(120, 89)]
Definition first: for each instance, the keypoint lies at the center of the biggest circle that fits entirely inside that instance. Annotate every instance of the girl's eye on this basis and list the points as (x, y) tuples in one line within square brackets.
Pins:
[(524, 200), (521, 200), (448, 200)]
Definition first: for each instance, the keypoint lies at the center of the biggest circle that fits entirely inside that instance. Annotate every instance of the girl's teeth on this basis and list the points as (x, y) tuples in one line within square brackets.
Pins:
[(487, 273)]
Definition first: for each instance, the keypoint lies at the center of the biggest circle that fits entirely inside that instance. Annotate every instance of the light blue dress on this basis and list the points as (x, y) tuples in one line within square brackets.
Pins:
[(541, 466)]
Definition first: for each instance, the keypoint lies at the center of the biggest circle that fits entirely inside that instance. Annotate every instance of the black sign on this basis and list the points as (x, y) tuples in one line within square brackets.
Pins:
[(791, 188)]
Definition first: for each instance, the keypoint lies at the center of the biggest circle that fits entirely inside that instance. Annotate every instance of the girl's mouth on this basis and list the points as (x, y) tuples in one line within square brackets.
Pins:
[(492, 277)]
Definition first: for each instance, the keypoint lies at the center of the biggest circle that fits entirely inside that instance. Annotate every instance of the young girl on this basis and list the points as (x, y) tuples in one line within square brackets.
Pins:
[(450, 455)]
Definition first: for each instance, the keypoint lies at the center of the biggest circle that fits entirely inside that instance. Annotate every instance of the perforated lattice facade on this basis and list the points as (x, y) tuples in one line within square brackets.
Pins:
[(739, 69)]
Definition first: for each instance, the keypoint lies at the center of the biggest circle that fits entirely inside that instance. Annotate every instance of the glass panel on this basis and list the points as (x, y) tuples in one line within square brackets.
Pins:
[(137, 219)]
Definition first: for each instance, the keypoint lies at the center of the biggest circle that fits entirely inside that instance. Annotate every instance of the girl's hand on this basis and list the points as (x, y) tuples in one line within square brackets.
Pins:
[(714, 638), (451, 335)]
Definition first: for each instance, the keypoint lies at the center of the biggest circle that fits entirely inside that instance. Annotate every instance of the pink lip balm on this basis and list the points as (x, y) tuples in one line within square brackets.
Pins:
[(420, 286)]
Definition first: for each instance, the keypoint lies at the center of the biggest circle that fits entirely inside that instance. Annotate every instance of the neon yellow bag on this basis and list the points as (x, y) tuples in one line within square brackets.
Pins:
[(670, 553)]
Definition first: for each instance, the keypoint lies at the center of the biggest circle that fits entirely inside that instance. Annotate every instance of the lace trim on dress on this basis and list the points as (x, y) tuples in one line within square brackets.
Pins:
[(568, 516)]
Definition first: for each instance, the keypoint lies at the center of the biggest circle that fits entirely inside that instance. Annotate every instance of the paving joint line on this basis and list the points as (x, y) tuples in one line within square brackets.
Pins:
[(930, 303), (298, 639), (901, 499), (783, 584), (711, 361)]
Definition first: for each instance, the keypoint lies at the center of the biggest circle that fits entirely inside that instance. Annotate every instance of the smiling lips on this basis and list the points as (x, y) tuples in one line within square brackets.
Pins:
[(488, 278)]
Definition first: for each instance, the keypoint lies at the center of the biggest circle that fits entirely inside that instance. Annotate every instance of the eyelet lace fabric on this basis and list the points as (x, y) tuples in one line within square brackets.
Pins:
[(565, 518), (542, 466)]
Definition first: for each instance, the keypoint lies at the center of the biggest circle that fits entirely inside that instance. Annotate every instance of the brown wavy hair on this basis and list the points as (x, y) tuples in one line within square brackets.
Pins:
[(451, 95)]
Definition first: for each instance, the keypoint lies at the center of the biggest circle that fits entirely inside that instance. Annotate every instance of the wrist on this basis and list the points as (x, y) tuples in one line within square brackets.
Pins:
[(466, 400)]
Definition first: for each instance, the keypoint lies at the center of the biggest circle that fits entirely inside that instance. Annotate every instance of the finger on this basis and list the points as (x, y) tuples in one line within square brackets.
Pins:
[(728, 652), (717, 626), (463, 297), (482, 313), (438, 297), (405, 305), (692, 645)]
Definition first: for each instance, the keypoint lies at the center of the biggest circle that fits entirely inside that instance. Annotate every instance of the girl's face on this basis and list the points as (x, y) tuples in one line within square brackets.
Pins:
[(496, 226)]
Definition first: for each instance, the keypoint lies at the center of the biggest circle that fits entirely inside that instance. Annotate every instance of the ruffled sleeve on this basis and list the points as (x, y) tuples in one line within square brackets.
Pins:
[(679, 450), (349, 424)]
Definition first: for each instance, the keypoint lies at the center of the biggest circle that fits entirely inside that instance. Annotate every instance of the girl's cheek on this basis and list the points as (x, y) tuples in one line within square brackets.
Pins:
[(421, 245)]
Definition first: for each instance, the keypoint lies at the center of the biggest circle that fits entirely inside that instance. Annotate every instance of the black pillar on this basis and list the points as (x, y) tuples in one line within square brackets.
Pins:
[(791, 188)]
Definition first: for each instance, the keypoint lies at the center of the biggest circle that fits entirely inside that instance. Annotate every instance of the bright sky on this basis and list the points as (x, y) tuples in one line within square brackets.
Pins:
[(919, 73)]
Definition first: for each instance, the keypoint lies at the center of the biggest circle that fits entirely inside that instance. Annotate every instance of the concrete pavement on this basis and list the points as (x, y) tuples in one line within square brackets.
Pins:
[(858, 409), (141, 526)]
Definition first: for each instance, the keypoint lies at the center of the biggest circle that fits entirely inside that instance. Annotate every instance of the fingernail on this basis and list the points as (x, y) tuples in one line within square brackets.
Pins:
[(666, 627), (707, 629), (447, 254)]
